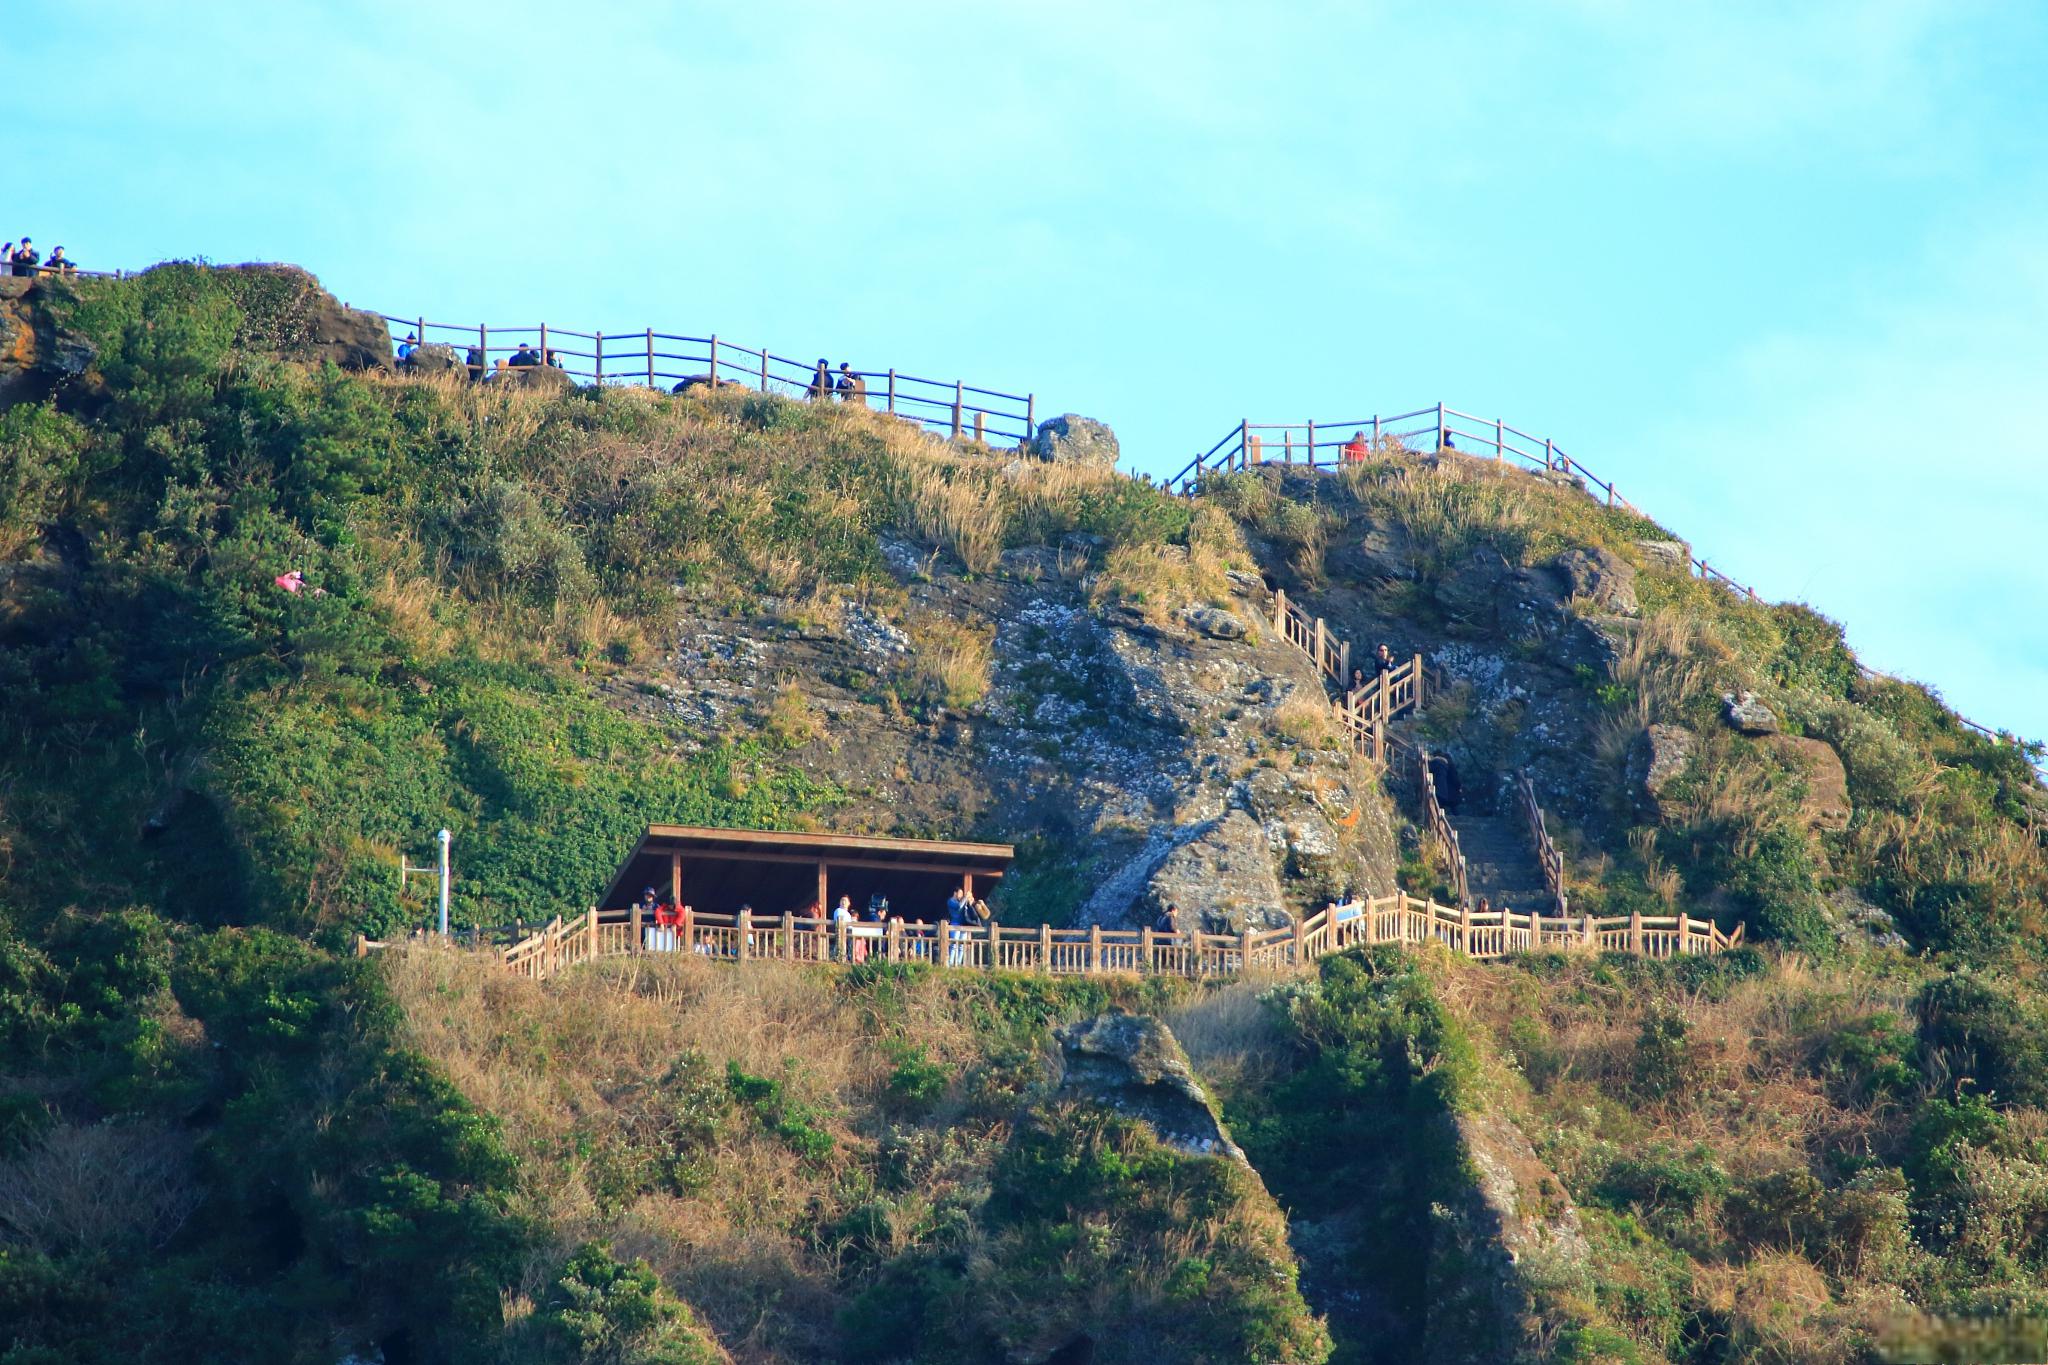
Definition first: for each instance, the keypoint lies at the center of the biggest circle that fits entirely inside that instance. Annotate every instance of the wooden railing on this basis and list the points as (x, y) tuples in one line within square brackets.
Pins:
[(1397, 918), (1440, 827), (1330, 445), (664, 359), (1548, 855), (1362, 712)]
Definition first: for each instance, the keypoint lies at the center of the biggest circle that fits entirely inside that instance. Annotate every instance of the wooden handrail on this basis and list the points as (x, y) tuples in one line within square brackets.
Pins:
[(1547, 852), (629, 357), (1396, 918)]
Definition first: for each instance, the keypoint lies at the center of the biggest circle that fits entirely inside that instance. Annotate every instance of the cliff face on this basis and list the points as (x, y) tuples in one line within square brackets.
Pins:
[(1145, 762)]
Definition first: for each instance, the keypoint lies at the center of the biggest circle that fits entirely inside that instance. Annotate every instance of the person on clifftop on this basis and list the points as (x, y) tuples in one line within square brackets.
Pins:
[(61, 263), (1355, 449), (24, 260), (821, 381), (407, 347), (851, 387), (524, 356), (1168, 922)]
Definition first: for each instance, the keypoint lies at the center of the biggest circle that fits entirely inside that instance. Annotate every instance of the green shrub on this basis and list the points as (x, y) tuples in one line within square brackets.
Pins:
[(1986, 1032), (603, 1311)]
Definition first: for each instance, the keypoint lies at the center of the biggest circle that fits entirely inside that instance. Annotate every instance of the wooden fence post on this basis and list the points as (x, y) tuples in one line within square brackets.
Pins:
[(1151, 950), (1375, 433), (1344, 666), (764, 369), (1441, 430), (1244, 950), (714, 362), (422, 333), (597, 347), (590, 934), (650, 357), (892, 390), (1045, 948), (1500, 439), (895, 940), (1465, 924), (639, 939), (959, 396), (995, 940), (1094, 948), (1030, 417), (483, 349), (789, 935), (362, 946), (1421, 683), (1635, 931), (743, 926), (543, 343), (980, 433), (1322, 635), (1300, 943)]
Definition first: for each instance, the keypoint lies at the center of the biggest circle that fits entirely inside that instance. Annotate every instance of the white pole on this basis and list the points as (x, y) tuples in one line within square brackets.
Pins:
[(444, 883)]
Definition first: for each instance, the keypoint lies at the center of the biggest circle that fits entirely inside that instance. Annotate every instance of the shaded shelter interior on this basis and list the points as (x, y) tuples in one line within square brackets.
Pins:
[(721, 870)]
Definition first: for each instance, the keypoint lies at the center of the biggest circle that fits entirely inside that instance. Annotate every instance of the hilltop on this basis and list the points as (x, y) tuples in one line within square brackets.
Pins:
[(545, 616)]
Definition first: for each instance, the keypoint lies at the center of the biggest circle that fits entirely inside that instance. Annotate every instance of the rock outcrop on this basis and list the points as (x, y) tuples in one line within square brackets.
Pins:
[(1825, 804), (36, 355), (287, 311), (1746, 714), (1074, 439), (1133, 1064), (1600, 576), (1660, 757)]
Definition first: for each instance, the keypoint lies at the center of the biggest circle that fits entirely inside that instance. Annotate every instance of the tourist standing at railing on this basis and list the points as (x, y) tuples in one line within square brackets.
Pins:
[(25, 257), (1355, 449), (1168, 922), (821, 381), (524, 356), (476, 363), (60, 264), (407, 347), (852, 388), (842, 925), (955, 927)]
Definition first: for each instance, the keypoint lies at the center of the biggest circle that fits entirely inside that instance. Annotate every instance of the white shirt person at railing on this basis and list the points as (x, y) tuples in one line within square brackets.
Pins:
[(851, 387)]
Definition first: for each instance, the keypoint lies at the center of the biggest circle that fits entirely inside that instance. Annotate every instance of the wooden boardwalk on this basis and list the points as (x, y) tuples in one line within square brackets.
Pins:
[(1398, 918)]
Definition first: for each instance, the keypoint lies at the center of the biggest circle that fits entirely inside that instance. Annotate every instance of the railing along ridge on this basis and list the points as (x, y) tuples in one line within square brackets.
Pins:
[(1396, 918), (1247, 445), (650, 357)]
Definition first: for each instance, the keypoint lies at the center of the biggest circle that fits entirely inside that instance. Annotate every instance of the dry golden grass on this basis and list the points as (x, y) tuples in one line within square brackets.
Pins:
[(791, 720), (951, 659), (1231, 1036)]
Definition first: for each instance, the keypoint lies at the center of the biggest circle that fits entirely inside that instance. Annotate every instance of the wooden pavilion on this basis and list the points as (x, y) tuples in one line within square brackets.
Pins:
[(717, 871)]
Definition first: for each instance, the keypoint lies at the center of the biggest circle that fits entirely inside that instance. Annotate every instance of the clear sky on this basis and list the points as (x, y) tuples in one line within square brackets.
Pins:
[(1780, 271)]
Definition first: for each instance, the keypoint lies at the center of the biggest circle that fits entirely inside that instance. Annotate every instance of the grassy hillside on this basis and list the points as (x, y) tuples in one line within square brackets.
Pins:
[(221, 1139)]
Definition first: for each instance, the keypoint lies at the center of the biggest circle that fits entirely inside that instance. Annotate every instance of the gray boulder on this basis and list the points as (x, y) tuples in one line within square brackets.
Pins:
[(1074, 439), (1661, 756), (1601, 576), (1667, 554), (437, 358), (1132, 1063), (1747, 714), (1214, 622)]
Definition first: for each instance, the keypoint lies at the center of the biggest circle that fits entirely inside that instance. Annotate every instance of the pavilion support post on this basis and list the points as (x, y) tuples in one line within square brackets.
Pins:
[(675, 879), (824, 891)]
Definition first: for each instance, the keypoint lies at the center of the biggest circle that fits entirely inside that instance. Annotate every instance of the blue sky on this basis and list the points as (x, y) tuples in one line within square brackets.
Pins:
[(1779, 271)]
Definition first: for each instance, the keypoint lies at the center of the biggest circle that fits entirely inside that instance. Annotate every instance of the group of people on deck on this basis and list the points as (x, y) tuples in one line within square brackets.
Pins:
[(846, 386), (857, 928), (1381, 661), (25, 259)]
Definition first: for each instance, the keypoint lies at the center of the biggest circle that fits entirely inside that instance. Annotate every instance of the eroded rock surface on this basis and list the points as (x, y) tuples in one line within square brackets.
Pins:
[(1133, 1064), (1073, 439)]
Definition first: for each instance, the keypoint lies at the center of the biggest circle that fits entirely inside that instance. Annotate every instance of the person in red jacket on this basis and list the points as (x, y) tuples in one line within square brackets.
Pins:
[(1355, 449)]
